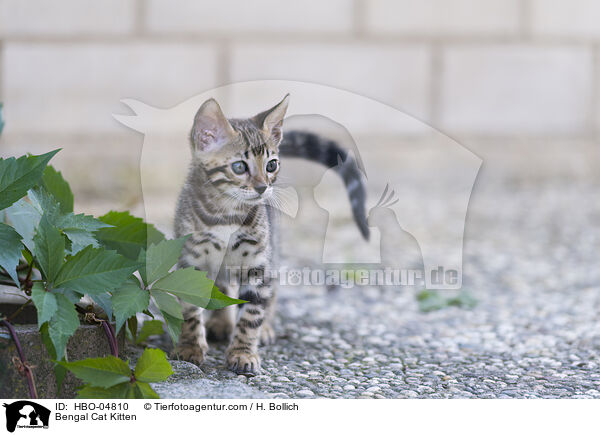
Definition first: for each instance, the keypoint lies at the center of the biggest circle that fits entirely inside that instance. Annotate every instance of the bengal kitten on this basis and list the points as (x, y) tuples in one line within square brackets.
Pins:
[(224, 207)]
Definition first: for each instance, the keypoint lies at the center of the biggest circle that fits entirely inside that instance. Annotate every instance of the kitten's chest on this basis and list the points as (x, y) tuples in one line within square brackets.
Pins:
[(238, 241), (239, 247), (222, 234), (214, 247)]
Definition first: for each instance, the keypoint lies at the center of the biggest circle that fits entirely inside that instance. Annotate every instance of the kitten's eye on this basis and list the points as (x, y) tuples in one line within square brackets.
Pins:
[(272, 166), (239, 167)]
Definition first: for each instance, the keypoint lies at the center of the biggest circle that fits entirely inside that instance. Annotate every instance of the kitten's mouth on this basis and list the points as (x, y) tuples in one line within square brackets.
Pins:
[(257, 198), (251, 200)]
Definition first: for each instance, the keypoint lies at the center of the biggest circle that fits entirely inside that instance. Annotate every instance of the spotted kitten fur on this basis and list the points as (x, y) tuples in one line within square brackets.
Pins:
[(224, 206)]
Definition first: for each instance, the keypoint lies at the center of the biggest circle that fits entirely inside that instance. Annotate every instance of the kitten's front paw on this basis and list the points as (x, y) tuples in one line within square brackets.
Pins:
[(193, 354), (267, 334), (218, 329), (243, 362)]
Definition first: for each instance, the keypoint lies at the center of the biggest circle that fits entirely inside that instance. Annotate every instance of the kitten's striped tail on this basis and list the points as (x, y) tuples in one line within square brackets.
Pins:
[(327, 152)]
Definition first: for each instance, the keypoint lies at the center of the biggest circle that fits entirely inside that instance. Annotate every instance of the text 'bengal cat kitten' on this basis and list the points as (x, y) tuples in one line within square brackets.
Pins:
[(225, 208)]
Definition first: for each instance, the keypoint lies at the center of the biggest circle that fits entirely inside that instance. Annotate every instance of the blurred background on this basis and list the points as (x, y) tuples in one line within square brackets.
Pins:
[(516, 81)]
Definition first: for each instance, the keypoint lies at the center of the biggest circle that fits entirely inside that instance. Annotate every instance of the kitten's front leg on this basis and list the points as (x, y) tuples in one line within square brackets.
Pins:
[(220, 324), (242, 353), (192, 345), (202, 251)]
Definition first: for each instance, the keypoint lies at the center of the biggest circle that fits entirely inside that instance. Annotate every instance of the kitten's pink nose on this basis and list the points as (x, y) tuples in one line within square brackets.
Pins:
[(260, 188)]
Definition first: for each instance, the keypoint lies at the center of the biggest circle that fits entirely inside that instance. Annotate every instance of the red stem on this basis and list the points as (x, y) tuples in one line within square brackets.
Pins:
[(112, 339), (26, 369)]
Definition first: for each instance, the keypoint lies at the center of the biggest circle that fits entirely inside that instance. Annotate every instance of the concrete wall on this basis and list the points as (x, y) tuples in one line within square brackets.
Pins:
[(483, 71)]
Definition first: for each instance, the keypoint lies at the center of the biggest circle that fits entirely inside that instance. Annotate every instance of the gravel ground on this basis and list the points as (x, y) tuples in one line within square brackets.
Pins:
[(531, 261)]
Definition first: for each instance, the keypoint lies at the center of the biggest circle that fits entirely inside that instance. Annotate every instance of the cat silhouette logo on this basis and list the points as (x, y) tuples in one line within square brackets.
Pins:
[(426, 177), (26, 414)]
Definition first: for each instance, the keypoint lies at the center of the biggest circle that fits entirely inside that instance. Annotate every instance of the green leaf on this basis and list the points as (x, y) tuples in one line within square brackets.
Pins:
[(153, 366), (167, 303), (194, 287), (45, 335), (10, 251), (94, 270), (463, 300), (79, 229), (27, 256), (69, 294), (25, 218), (44, 203), (80, 239), (104, 301), (144, 391), (127, 301), (45, 303), (161, 257), (189, 284), (63, 324), (173, 326), (129, 234), (17, 176), (220, 300), (56, 185), (430, 301), (149, 328), (59, 371), (125, 390), (49, 249), (132, 327), (81, 221), (102, 372), (142, 260)]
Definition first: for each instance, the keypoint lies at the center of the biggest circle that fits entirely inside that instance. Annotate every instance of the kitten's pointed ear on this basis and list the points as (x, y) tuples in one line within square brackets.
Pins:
[(211, 129), (271, 121)]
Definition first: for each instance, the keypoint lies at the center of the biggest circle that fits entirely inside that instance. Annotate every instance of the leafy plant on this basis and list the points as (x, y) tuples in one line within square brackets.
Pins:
[(122, 263), (111, 378), (149, 328)]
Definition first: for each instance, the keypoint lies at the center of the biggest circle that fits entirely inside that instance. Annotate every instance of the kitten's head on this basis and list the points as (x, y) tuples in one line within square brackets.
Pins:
[(239, 156)]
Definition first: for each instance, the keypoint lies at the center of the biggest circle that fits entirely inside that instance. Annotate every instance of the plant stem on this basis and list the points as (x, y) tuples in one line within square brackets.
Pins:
[(27, 280), (16, 313), (106, 325), (29, 271), (23, 368)]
